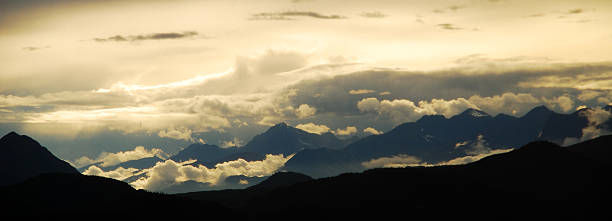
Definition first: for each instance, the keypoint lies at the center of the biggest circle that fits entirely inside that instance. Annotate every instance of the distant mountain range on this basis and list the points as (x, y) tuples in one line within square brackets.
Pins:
[(434, 139), (431, 139), (540, 180)]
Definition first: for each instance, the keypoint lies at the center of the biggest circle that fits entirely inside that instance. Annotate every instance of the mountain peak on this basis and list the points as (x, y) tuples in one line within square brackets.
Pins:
[(23, 157), (281, 125), (430, 118), (474, 113), (11, 135), (14, 137), (538, 111)]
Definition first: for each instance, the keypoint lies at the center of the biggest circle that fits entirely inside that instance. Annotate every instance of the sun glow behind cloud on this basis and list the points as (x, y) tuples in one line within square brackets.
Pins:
[(325, 63)]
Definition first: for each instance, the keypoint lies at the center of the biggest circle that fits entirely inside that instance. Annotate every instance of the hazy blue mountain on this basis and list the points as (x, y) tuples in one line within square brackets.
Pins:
[(284, 139), (539, 180), (435, 139), (278, 139), (23, 158), (203, 153)]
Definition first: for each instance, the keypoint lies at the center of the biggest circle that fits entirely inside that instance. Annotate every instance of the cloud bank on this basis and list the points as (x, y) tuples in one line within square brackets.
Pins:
[(164, 174), (111, 159)]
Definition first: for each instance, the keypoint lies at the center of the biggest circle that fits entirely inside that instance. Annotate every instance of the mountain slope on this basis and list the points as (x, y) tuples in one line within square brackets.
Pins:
[(540, 180), (203, 153), (23, 157), (54, 194), (284, 139), (281, 179), (434, 139)]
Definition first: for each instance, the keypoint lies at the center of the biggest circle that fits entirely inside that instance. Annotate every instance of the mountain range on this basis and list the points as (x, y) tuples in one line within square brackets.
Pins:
[(433, 139), (540, 180)]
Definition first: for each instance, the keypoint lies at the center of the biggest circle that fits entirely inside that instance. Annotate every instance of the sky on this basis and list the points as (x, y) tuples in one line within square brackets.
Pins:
[(91, 77)]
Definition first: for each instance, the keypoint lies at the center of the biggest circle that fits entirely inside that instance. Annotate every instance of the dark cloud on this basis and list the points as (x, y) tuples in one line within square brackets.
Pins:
[(574, 11), (452, 8), (288, 14), (562, 14), (373, 14), (32, 48), (332, 95), (154, 36), (449, 26)]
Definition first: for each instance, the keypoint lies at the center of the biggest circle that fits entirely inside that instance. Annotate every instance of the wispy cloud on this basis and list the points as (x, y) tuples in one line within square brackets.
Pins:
[(289, 14), (574, 11), (373, 14), (32, 48), (154, 36), (361, 91), (452, 8), (448, 26), (562, 14), (110, 159)]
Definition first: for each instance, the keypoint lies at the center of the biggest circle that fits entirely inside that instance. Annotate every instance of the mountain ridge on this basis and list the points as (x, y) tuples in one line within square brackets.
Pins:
[(23, 158)]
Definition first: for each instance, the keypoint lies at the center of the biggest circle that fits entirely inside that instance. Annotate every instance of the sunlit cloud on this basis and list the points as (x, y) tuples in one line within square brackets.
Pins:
[(361, 91), (313, 128), (235, 142), (111, 159), (401, 160), (349, 130), (119, 174), (372, 130), (164, 174)]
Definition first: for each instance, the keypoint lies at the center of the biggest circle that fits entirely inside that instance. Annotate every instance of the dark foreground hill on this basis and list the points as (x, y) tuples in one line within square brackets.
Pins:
[(71, 194), (540, 180), (36, 183), (21, 157)]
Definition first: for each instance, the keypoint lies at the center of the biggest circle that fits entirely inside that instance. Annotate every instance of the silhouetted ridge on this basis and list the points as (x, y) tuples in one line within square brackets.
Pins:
[(599, 149), (23, 157), (540, 180), (61, 193), (281, 179), (431, 119)]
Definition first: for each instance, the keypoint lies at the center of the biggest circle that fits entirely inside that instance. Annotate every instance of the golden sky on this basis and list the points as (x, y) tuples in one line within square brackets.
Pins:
[(181, 70)]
